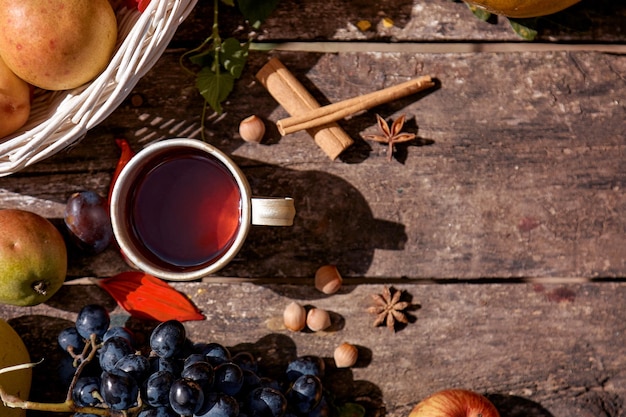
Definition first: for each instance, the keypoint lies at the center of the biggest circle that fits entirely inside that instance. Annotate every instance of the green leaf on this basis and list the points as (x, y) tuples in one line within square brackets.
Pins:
[(524, 28), (479, 12), (256, 11), (229, 2), (214, 87), (203, 59), (233, 56), (351, 410)]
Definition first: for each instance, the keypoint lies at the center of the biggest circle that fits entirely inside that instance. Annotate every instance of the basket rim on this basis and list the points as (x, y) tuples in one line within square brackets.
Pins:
[(60, 119)]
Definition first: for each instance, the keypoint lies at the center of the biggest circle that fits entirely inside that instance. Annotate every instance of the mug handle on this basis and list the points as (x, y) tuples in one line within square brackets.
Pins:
[(268, 211)]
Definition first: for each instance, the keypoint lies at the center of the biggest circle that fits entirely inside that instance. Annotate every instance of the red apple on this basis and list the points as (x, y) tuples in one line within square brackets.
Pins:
[(455, 403)]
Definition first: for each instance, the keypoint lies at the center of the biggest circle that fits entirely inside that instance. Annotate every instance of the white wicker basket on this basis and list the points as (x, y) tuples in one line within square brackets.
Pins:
[(61, 118)]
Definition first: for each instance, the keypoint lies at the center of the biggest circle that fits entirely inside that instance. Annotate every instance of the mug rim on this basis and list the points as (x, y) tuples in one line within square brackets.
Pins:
[(122, 188)]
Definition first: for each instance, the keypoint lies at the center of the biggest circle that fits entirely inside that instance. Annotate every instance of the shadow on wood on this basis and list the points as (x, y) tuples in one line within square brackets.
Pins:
[(514, 406), (334, 225)]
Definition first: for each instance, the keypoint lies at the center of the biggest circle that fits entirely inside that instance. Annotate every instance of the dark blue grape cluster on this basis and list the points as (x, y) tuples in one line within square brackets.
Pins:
[(174, 377)]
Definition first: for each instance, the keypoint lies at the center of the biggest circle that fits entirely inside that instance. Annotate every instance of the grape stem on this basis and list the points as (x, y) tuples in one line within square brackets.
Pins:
[(67, 406), (13, 401), (92, 348)]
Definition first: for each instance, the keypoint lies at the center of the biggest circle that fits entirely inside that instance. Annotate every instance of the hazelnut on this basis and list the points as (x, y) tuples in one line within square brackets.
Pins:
[(294, 317), (318, 319), (327, 279), (345, 355), (252, 129)]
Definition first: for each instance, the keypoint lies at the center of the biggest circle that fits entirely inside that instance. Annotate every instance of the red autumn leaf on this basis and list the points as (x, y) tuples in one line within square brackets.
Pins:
[(143, 5), (140, 5), (126, 154), (147, 297), (131, 4)]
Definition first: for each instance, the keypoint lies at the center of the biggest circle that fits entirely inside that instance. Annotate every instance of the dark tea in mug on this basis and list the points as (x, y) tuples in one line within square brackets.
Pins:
[(185, 210)]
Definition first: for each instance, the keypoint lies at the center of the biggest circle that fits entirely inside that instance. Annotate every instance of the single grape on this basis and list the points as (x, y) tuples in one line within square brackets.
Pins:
[(157, 388), (217, 404), (137, 366), (228, 378), (66, 369), (168, 338), (250, 381), (266, 402), (246, 360), (92, 319), (87, 220), (200, 372), (70, 337), (111, 351), (193, 358), (215, 353), (118, 389), (83, 391), (120, 331), (305, 393), (322, 409), (305, 365), (186, 396)]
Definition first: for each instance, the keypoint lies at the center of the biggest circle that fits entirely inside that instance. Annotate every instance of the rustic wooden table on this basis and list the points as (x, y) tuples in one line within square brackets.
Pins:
[(505, 222)]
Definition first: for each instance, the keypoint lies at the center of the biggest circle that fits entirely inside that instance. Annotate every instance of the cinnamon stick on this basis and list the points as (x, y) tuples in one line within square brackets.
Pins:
[(297, 100), (337, 111)]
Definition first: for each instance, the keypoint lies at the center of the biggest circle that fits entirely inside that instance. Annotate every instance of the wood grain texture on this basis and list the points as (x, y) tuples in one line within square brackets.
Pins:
[(518, 170), (536, 350), (516, 180), (412, 21)]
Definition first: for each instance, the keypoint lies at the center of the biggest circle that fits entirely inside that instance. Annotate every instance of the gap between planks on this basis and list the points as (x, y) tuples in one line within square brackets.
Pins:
[(436, 47), (385, 280)]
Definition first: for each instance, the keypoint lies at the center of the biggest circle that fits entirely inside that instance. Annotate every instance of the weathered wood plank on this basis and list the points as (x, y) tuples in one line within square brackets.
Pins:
[(538, 351), (518, 170), (418, 21)]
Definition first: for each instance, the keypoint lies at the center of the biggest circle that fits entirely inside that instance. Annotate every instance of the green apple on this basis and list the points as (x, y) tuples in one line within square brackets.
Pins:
[(33, 258)]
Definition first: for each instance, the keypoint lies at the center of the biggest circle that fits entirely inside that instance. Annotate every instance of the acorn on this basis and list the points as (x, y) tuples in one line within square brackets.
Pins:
[(327, 279), (346, 355), (294, 317), (252, 129), (318, 319)]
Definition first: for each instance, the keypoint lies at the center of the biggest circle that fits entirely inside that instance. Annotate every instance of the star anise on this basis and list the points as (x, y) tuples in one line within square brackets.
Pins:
[(388, 308), (391, 134)]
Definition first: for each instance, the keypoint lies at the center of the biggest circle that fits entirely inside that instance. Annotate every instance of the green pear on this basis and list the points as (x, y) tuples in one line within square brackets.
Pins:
[(33, 258)]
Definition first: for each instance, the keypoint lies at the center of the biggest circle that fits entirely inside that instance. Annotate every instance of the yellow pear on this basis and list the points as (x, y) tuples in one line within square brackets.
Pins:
[(57, 44), (13, 352), (33, 258), (14, 101)]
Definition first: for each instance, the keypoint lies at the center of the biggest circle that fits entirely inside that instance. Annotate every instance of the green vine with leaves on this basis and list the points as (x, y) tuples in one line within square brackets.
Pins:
[(217, 63)]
